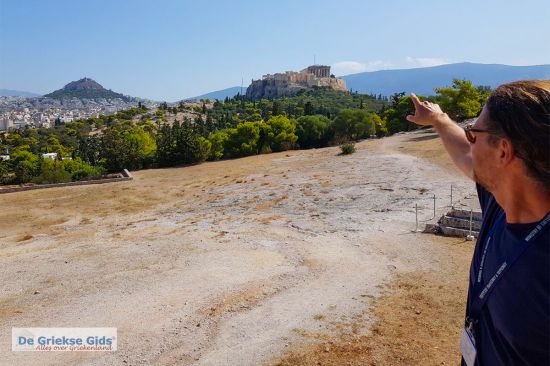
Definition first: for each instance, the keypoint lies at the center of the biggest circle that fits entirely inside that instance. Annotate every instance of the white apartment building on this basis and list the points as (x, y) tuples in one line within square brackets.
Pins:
[(52, 156)]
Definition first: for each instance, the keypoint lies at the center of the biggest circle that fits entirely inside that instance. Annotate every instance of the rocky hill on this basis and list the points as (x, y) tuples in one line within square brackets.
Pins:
[(290, 82), (86, 88)]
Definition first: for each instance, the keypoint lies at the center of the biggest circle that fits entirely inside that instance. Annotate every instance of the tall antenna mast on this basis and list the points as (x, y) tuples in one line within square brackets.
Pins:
[(242, 82), (314, 60)]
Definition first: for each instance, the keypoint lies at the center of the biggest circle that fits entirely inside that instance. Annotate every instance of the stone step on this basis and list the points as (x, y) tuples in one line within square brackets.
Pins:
[(465, 214), (453, 231), (432, 229), (448, 231), (459, 223)]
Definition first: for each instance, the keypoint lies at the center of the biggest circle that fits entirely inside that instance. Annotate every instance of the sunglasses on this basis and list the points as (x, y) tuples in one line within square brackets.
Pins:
[(469, 129)]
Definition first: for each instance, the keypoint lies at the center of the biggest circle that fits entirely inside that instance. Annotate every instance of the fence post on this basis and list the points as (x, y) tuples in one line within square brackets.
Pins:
[(470, 237), (452, 207), (434, 206), (416, 213)]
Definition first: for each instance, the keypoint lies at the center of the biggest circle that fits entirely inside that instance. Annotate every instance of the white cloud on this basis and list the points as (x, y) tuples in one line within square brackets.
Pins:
[(353, 67), (426, 61)]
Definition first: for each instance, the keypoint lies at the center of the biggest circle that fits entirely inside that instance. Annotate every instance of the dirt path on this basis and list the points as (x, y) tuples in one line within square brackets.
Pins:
[(243, 262)]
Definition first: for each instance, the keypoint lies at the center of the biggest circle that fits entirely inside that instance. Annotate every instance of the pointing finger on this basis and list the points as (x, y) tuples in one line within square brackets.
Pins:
[(415, 100)]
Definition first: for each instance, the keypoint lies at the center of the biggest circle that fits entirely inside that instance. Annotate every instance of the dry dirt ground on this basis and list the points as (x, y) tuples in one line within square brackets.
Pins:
[(294, 258)]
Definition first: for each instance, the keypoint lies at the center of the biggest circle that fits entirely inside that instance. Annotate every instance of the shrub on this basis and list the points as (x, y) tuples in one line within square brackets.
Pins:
[(347, 149), (51, 171), (56, 171), (81, 170)]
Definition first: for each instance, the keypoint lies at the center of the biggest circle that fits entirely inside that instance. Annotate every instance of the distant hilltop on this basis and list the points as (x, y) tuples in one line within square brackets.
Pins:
[(290, 82), (86, 88), (83, 84), (17, 93)]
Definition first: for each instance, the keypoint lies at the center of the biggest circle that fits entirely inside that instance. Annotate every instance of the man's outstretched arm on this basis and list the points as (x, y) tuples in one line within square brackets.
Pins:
[(454, 139)]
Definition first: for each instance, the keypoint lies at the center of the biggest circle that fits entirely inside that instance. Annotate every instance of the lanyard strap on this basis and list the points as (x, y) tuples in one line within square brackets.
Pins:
[(491, 235), (481, 296)]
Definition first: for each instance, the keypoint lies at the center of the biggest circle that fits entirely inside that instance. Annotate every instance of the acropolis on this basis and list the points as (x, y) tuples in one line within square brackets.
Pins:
[(289, 82)]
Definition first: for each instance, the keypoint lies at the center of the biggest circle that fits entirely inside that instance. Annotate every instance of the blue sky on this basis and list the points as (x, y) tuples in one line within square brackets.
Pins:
[(169, 50)]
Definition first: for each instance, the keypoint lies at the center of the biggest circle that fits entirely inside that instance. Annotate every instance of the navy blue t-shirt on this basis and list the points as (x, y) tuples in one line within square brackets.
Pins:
[(514, 325)]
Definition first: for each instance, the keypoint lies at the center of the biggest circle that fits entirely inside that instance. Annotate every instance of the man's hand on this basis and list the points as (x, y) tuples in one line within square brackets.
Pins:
[(426, 113), (454, 139)]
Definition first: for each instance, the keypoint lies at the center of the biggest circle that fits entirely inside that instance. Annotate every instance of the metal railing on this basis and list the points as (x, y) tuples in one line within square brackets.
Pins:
[(451, 206)]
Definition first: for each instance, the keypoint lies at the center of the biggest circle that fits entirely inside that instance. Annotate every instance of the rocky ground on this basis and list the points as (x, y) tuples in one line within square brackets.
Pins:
[(295, 258)]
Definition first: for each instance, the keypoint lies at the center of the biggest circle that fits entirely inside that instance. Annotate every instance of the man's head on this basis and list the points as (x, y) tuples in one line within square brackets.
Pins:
[(518, 116)]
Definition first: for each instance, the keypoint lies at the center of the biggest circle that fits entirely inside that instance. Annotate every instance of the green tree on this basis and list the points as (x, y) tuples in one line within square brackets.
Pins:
[(209, 125), (78, 169), (313, 131), (308, 108), (354, 124), (461, 101), (379, 126), (276, 109), (165, 144), (55, 146), (217, 142), (283, 133), (181, 144), (190, 147), (265, 138), (127, 147), (394, 116), (25, 166), (51, 171), (5, 172), (204, 147), (242, 140), (200, 126)]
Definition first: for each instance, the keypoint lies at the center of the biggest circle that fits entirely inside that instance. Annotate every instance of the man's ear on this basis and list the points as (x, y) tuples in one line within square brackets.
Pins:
[(506, 151)]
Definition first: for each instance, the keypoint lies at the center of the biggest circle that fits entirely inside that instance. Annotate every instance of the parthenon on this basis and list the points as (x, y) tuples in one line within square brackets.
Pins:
[(318, 70)]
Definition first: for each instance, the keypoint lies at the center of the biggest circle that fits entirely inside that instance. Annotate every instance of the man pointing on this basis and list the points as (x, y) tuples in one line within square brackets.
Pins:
[(507, 153)]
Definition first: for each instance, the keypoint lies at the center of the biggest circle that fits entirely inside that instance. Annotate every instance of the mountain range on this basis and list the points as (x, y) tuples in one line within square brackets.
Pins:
[(17, 93), (220, 94), (424, 80)]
